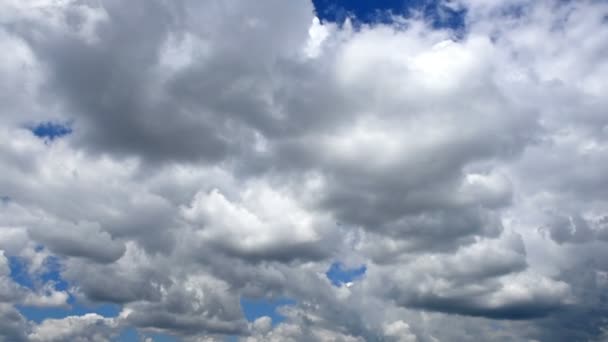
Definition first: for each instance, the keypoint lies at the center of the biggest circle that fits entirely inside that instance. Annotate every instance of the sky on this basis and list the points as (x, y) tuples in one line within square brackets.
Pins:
[(303, 170)]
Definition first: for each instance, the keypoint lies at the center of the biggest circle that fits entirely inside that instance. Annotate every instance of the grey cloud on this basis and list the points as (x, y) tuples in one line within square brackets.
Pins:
[(83, 239), (13, 325), (127, 280), (586, 319), (214, 157), (9, 291), (572, 229), (487, 279), (151, 316), (113, 82), (194, 305), (530, 309)]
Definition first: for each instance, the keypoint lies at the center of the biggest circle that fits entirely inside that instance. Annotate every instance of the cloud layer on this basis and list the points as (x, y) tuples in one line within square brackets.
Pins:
[(206, 152)]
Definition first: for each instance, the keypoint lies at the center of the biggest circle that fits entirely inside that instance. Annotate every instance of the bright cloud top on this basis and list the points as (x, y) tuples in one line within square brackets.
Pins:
[(404, 179)]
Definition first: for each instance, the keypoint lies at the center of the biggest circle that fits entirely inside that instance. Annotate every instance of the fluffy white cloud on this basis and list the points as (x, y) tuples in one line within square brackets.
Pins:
[(89, 327), (222, 150)]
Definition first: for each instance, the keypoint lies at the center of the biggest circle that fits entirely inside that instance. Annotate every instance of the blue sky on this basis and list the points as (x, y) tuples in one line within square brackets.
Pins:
[(50, 130), (19, 274), (256, 308), (375, 11), (253, 308), (339, 274), (52, 274), (178, 157)]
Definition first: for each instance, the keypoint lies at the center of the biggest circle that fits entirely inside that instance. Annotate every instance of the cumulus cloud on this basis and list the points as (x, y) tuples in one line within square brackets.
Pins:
[(226, 150), (89, 327)]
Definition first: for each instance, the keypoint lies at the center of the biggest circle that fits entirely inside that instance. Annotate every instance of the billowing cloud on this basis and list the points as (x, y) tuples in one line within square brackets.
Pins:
[(171, 158), (89, 327)]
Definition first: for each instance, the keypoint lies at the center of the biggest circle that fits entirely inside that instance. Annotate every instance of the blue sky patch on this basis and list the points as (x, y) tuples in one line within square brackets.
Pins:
[(53, 269), (20, 274), (50, 130), (365, 11), (339, 274), (129, 334), (38, 314), (256, 308)]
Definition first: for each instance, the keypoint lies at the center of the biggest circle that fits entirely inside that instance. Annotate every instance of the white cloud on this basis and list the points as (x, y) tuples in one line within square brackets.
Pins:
[(239, 149), (89, 327)]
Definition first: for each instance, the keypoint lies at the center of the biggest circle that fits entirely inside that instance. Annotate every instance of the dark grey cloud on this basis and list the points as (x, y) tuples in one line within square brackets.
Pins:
[(12, 325), (232, 149), (126, 93), (80, 240)]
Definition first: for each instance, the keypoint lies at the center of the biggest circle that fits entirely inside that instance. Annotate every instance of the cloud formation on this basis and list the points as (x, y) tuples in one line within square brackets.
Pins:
[(213, 151)]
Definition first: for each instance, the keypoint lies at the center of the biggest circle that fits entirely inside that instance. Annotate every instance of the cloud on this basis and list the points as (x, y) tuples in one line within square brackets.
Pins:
[(227, 150), (89, 327), (269, 223), (13, 325)]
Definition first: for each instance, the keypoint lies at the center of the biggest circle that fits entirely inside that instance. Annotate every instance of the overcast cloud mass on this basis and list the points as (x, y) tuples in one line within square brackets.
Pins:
[(173, 160)]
